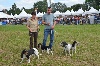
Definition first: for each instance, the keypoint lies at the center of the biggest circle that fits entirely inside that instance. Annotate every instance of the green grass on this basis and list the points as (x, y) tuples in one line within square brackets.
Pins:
[(14, 38)]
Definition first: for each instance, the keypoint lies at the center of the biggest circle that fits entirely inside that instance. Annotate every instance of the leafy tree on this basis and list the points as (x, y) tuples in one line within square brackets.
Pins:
[(29, 11), (14, 10), (93, 3), (69, 8), (41, 5), (22, 8), (76, 7), (58, 7)]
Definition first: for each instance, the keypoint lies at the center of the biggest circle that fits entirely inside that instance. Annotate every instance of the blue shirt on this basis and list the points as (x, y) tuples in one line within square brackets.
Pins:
[(48, 18)]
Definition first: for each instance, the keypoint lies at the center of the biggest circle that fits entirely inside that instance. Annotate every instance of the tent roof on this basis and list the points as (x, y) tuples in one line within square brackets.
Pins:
[(23, 14), (67, 12), (3, 15), (92, 10), (39, 14)]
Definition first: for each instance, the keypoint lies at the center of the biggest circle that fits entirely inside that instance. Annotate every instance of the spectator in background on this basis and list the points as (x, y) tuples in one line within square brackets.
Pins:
[(92, 19)]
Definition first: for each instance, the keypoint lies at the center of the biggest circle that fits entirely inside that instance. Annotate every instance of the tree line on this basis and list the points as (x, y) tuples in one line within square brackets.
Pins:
[(41, 6)]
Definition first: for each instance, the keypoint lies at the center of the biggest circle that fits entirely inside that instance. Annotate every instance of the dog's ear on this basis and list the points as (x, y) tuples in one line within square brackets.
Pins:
[(64, 43), (39, 45), (23, 52), (24, 49), (75, 42)]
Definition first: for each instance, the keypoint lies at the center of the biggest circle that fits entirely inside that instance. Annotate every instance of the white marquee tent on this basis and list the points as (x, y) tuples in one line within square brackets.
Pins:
[(23, 14), (67, 12), (99, 10), (72, 12), (92, 10), (15, 16), (80, 11), (39, 14), (3, 15), (57, 13), (12, 15)]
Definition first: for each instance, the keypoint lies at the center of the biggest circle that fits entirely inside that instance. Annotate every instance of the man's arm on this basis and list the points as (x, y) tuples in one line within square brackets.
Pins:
[(43, 22), (54, 23)]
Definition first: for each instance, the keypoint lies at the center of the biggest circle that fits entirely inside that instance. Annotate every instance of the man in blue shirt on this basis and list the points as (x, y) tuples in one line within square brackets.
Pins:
[(49, 21)]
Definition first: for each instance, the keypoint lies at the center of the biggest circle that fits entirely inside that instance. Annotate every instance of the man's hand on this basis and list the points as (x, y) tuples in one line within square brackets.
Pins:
[(52, 27), (48, 24)]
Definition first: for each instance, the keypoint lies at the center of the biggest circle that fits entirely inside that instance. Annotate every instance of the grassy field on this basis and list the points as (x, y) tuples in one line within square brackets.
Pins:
[(14, 38)]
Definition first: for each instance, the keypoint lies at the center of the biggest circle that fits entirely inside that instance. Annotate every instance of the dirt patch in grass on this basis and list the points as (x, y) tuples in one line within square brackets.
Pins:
[(1, 51)]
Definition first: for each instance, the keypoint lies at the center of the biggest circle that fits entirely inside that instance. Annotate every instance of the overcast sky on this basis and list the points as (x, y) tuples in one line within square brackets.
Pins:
[(7, 4)]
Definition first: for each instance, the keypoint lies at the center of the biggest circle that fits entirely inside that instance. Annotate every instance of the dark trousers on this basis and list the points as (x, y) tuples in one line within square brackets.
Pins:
[(33, 35)]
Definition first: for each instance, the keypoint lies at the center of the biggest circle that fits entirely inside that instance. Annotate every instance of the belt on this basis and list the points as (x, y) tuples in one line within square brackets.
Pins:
[(48, 29)]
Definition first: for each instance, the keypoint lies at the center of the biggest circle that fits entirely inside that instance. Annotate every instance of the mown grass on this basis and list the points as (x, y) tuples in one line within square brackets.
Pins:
[(14, 38)]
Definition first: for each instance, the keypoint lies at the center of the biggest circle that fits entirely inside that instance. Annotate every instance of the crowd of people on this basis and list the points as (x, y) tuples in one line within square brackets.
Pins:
[(13, 21), (86, 19), (67, 19)]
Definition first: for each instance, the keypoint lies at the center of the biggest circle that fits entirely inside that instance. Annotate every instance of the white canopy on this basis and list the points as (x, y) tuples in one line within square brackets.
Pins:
[(99, 10), (80, 11), (12, 16), (15, 16), (92, 10), (67, 12), (57, 13), (44, 13), (3, 15), (39, 14), (72, 12), (23, 14)]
